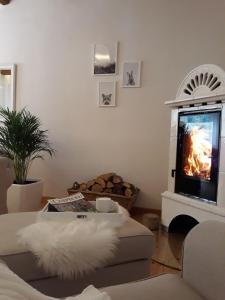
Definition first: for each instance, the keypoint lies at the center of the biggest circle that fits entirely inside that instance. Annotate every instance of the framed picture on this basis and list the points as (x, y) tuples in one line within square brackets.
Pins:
[(131, 74), (8, 86), (107, 94), (105, 59)]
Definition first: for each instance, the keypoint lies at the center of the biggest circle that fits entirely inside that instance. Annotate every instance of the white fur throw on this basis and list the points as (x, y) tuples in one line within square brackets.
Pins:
[(70, 249)]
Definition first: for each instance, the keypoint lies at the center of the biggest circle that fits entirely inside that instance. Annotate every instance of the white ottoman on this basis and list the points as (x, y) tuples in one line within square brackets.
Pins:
[(131, 262)]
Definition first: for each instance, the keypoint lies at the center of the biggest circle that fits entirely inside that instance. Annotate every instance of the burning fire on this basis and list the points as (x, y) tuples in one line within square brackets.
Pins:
[(198, 162)]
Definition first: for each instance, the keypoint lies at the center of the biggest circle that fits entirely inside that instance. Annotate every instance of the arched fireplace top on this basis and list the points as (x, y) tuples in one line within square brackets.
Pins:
[(206, 83)]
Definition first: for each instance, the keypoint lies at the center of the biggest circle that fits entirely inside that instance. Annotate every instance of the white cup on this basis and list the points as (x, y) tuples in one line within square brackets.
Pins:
[(105, 204)]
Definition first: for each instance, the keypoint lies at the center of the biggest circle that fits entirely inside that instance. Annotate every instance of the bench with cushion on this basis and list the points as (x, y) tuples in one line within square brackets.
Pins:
[(131, 261), (202, 276)]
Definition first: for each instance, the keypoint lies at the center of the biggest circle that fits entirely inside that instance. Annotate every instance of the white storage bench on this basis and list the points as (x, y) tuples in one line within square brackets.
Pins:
[(131, 261)]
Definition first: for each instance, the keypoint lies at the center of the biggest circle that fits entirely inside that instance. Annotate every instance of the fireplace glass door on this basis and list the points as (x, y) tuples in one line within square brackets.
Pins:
[(198, 154)]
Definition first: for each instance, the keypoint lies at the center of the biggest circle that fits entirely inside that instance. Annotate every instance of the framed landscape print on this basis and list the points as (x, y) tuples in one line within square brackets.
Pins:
[(131, 74), (107, 94), (105, 59), (8, 86)]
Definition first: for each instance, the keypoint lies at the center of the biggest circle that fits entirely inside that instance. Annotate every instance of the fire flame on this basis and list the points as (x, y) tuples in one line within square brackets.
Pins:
[(200, 151)]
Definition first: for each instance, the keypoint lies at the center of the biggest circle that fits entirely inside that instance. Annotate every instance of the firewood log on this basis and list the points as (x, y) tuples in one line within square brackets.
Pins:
[(97, 188), (4, 2), (109, 185), (101, 181), (133, 188), (128, 192), (117, 179), (90, 183), (127, 185), (118, 189), (107, 176), (83, 187)]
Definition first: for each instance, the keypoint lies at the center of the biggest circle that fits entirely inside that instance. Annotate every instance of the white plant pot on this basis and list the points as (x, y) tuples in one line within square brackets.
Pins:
[(24, 197)]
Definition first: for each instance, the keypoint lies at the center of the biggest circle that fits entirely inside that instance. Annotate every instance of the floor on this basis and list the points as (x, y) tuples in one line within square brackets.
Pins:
[(168, 251), (167, 255), (157, 269)]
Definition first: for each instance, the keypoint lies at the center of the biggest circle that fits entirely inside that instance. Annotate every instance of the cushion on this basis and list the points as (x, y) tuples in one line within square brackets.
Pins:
[(13, 287), (136, 243), (204, 259), (163, 287)]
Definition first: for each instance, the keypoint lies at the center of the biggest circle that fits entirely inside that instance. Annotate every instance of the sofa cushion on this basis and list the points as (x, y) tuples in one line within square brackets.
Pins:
[(136, 243), (164, 287)]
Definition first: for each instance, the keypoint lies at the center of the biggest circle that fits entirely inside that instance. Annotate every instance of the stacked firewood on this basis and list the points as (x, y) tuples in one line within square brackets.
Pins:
[(107, 183)]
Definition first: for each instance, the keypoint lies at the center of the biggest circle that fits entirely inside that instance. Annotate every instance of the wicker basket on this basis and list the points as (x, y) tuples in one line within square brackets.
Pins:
[(126, 202)]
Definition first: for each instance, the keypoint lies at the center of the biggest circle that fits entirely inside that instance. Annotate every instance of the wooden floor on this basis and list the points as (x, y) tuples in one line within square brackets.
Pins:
[(157, 269), (168, 250)]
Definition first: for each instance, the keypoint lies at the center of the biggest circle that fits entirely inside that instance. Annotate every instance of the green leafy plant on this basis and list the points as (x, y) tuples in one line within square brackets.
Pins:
[(22, 140)]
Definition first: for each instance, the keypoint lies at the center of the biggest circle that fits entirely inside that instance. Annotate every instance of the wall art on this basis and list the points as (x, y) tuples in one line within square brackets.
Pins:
[(107, 94), (131, 74), (105, 59)]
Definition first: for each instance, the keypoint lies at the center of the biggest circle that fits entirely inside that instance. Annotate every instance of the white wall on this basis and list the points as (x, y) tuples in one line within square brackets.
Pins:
[(51, 41)]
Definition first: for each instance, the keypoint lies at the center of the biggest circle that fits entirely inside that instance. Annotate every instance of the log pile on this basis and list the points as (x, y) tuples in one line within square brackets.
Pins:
[(4, 2), (110, 183)]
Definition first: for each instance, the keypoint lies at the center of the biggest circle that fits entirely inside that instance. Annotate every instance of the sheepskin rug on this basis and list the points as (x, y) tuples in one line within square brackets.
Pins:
[(70, 249)]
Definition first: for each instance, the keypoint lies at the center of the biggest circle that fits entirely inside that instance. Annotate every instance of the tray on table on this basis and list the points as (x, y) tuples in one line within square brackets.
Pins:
[(116, 218)]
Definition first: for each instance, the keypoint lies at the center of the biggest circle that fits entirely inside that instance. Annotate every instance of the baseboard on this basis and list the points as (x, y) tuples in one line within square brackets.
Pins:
[(136, 210)]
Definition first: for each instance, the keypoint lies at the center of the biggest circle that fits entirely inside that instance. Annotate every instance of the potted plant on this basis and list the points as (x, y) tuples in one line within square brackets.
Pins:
[(22, 141)]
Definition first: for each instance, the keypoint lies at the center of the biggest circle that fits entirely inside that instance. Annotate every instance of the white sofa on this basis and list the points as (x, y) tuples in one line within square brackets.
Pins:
[(202, 276), (203, 271)]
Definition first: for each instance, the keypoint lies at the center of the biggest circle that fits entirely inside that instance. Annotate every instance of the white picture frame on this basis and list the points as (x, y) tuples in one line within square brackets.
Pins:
[(107, 94), (105, 59), (8, 86), (131, 77)]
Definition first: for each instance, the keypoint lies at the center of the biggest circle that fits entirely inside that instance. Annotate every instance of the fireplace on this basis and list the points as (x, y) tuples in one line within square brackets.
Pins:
[(196, 177), (198, 154)]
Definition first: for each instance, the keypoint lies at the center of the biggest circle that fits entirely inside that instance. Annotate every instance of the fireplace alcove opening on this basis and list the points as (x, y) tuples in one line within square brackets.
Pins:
[(177, 230), (182, 224)]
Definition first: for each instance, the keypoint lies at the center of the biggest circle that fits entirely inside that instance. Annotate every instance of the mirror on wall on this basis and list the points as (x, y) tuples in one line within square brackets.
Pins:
[(7, 86)]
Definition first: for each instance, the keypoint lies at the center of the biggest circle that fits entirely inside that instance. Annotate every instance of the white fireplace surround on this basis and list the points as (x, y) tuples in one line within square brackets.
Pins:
[(202, 88)]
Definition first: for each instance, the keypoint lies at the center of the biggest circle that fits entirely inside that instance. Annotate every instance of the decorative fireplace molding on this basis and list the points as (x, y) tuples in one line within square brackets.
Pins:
[(202, 89), (204, 84)]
